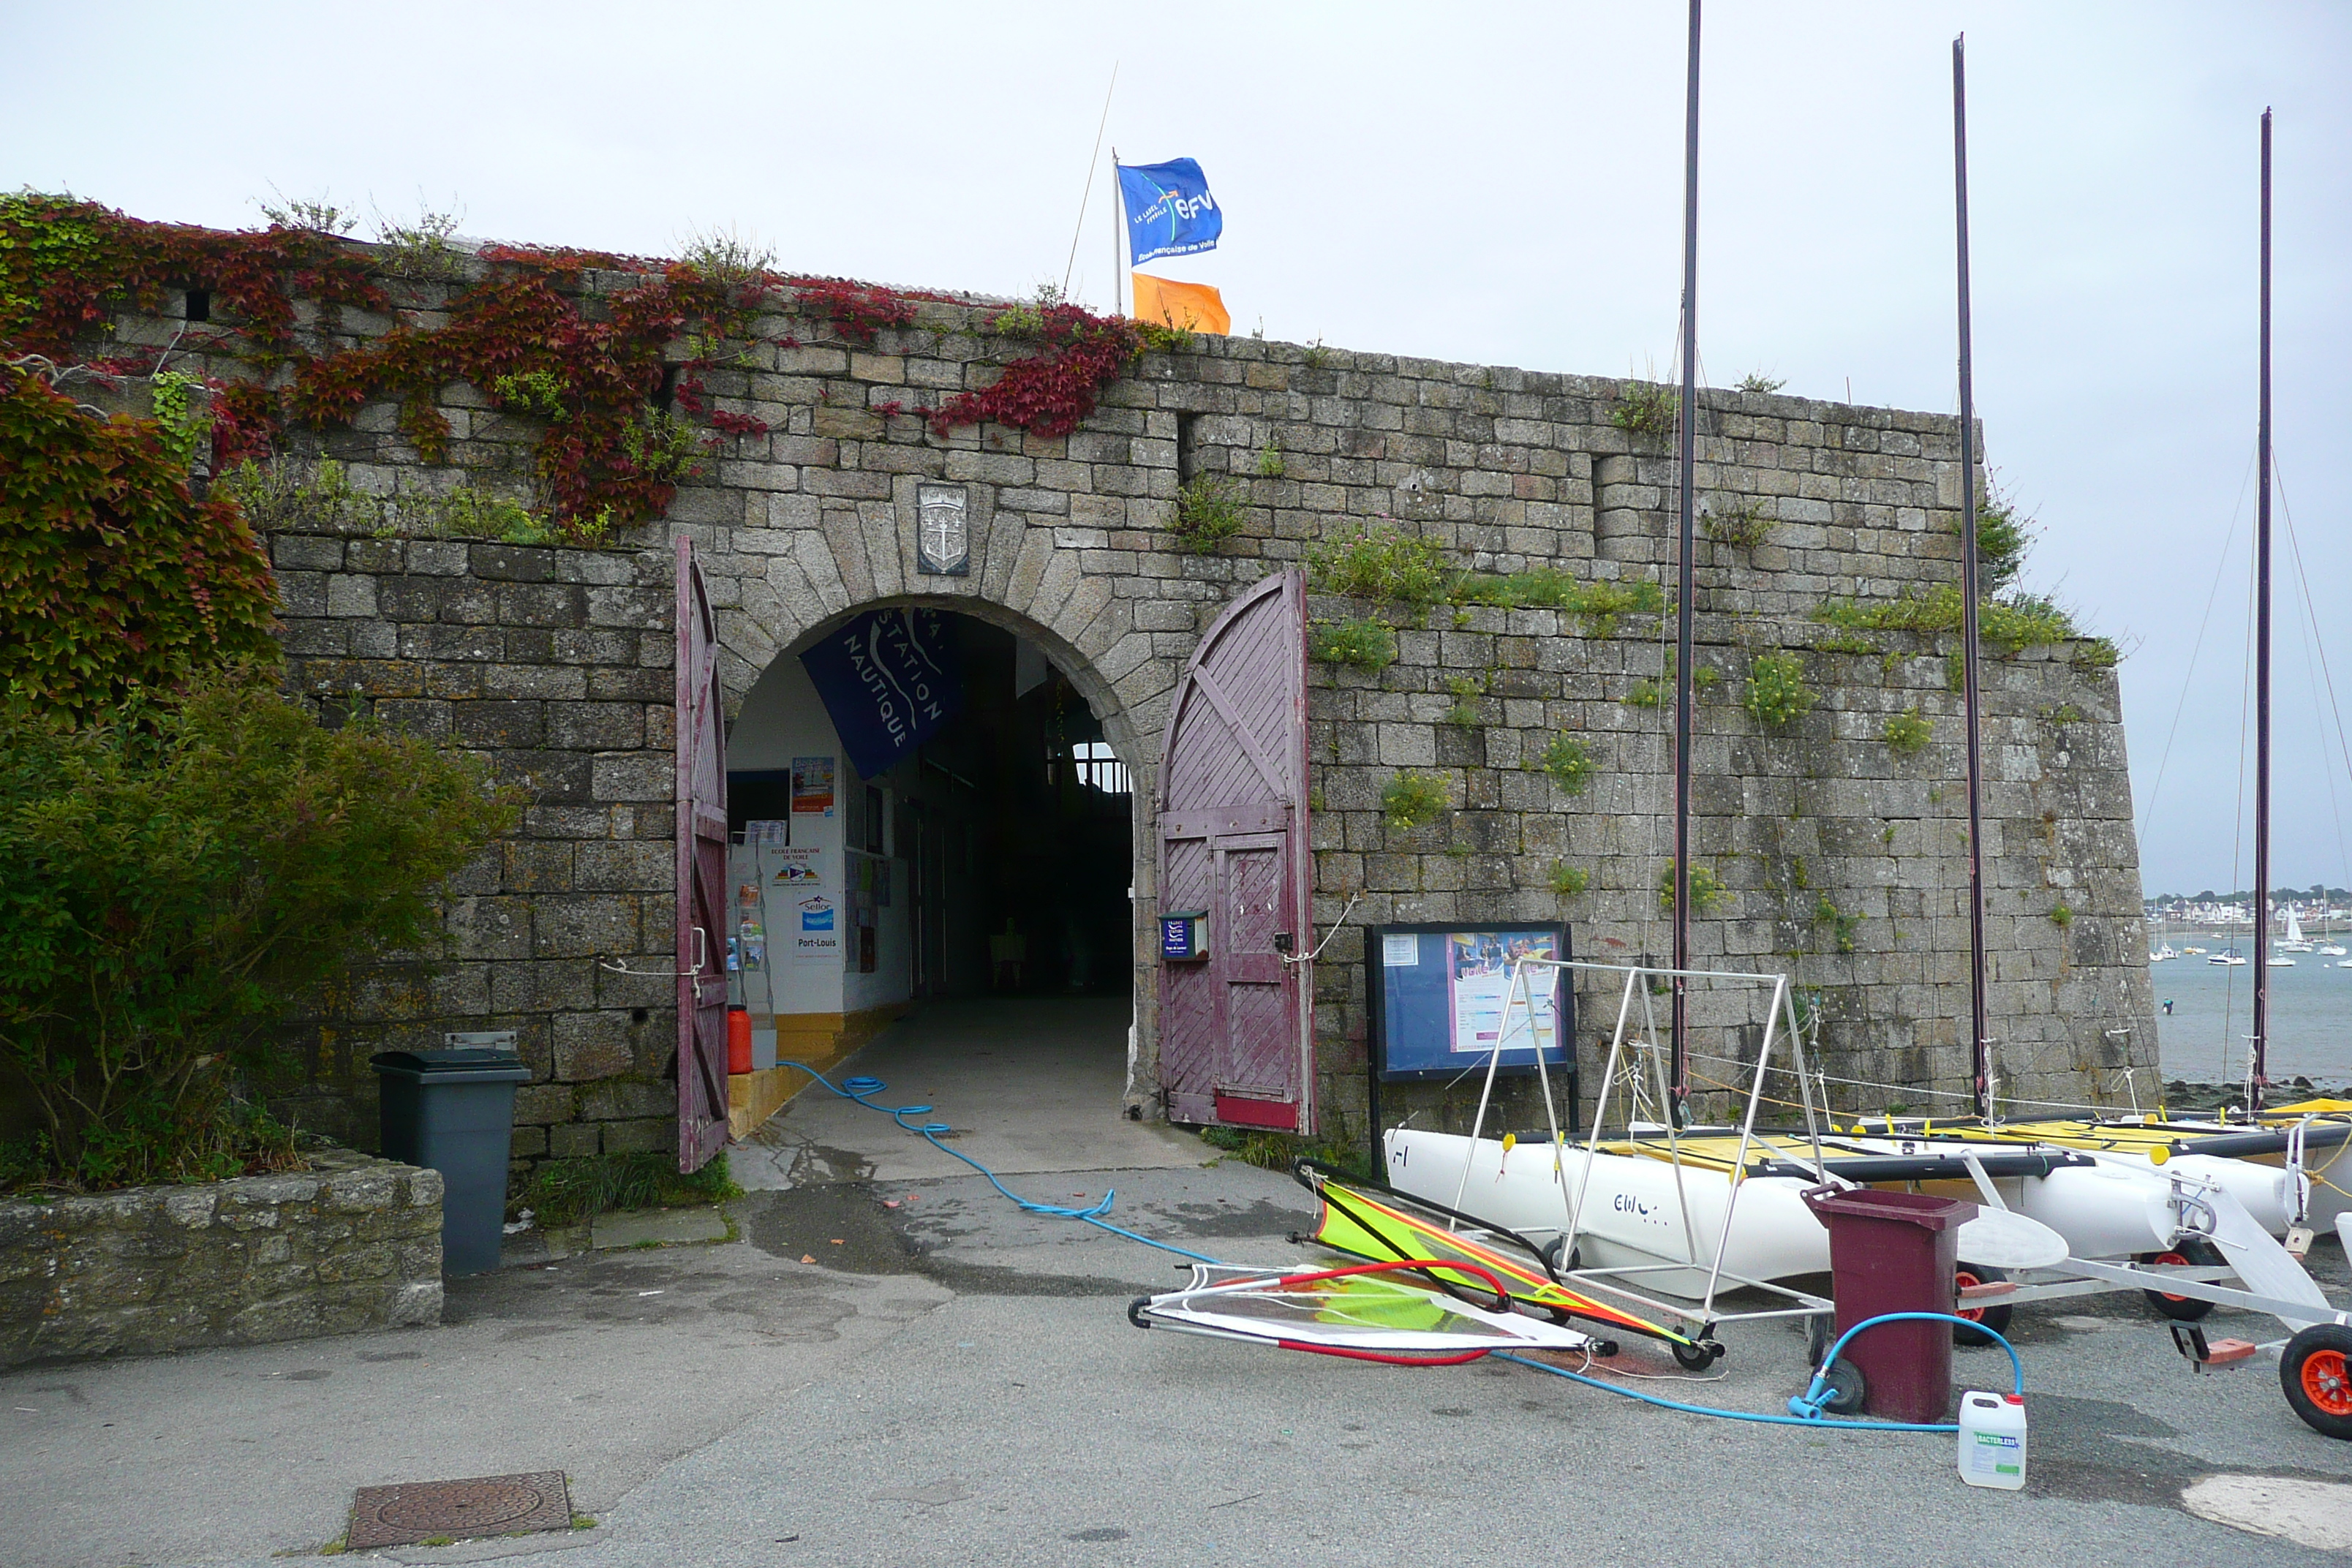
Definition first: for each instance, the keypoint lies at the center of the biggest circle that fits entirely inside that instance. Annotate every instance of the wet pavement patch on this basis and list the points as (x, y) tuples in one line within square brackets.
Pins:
[(438, 1512), (841, 1224), (1100, 1532)]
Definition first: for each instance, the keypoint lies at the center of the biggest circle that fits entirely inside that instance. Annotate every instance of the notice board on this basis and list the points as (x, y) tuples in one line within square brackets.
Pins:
[(1437, 1000)]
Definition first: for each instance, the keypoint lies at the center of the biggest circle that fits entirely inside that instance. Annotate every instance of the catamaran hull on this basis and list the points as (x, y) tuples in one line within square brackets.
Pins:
[(1632, 1215)]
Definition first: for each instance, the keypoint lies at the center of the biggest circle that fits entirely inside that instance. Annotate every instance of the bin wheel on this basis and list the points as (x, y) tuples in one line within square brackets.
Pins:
[(1817, 1339), (1846, 1388), (2316, 1370), (1696, 1356), (1995, 1317), (2182, 1309)]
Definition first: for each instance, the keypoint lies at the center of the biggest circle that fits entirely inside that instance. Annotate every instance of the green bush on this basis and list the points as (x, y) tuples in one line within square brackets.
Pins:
[(568, 1191), (1777, 694), (2003, 539), (1706, 889), (1412, 799), (1841, 925), (1208, 510), (1747, 525), (1646, 408), (1568, 763), (1569, 880), (175, 878), (1366, 645), (1906, 732)]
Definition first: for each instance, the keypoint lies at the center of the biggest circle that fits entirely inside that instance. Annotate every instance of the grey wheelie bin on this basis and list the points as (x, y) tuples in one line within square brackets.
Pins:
[(453, 1111)]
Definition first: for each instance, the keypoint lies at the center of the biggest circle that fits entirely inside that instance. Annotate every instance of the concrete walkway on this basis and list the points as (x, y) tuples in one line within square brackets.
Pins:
[(1030, 1084), (912, 1371)]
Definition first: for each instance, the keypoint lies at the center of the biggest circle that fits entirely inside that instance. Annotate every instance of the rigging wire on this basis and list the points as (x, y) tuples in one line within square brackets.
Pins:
[(2220, 569), (2319, 643)]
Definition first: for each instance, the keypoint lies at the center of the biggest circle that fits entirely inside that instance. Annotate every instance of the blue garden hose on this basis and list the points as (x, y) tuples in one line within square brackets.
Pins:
[(862, 1089), (1805, 1409)]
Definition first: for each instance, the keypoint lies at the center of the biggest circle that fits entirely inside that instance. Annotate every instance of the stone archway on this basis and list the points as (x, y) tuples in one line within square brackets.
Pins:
[(1134, 741)]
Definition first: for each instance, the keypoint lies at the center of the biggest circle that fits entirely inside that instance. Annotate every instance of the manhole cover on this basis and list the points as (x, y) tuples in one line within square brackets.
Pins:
[(487, 1505)]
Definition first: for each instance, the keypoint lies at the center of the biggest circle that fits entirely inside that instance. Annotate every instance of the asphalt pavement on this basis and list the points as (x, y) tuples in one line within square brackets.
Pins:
[(913, 1370)]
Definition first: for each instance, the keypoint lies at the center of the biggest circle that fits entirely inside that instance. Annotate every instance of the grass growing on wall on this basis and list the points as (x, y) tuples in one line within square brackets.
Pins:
[(1389, 565), (1363, 644), (568, 1191), (2007, 626)]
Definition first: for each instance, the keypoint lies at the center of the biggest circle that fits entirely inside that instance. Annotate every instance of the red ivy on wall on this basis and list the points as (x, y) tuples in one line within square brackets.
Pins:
[(117, 577), (532, 335), (1051, 392)]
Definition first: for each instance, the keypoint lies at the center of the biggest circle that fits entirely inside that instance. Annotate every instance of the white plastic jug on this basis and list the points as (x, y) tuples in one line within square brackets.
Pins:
[(1993, 1440)]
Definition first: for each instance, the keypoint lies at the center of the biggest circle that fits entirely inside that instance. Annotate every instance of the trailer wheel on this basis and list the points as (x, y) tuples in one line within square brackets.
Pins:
[(1846, 1388), (2182, 1309), (1995, 1318), (2316, 1370), (1696, 1356)]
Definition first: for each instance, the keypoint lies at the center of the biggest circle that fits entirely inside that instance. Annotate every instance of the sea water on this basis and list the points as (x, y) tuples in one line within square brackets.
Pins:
[(2204, 1037)]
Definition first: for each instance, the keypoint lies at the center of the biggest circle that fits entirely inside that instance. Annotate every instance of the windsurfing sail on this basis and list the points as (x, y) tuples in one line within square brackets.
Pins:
[(1482, 1260), (1370, 1312)]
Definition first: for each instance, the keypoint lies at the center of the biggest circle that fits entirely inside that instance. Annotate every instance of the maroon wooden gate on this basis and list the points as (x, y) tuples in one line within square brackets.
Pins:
[(702, 923), (1235, 1036)]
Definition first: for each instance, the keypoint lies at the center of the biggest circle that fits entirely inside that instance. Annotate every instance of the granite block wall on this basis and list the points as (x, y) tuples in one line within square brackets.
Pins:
[(1838, 851)]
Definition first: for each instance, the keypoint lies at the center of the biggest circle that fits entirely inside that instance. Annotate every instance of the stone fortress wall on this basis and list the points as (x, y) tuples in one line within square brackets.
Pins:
[(1840, 854)]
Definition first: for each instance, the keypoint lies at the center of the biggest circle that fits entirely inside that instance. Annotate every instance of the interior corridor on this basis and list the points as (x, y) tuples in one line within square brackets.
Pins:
[(1030, 1084)]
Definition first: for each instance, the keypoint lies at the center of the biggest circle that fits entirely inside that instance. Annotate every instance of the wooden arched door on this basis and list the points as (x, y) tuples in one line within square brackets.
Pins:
[(1236, 1040)]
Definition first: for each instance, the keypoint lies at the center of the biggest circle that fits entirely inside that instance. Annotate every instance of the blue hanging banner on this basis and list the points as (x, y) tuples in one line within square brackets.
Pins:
[(889, 679), (1169, 209)]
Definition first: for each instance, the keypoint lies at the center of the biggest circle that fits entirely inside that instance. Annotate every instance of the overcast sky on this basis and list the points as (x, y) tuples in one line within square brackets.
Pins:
[(1497, 183)]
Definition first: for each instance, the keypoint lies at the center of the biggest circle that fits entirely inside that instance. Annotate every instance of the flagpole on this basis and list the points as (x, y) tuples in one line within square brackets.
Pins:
[(1088, 195), (1117, 239), (1688, 456)]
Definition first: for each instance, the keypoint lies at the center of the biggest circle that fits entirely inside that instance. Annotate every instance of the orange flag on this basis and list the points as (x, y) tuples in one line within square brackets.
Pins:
[(1187, 307)]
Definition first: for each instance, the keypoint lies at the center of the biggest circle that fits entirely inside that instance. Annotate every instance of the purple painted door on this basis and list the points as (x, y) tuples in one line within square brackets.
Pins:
[(702, 876), (1235, 1036)]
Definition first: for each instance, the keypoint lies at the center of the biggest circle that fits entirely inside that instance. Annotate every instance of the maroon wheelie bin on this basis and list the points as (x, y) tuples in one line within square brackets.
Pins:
[(1895, 1252)]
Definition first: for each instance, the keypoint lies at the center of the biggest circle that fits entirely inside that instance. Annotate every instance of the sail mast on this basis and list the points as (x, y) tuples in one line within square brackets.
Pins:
[(1980, 1041), (1688, 461), (2257, 1062)]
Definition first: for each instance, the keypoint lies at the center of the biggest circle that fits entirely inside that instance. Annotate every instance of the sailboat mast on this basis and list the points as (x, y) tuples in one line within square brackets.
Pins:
[(1686, 456), (2257, 1063), (1980, 1041)]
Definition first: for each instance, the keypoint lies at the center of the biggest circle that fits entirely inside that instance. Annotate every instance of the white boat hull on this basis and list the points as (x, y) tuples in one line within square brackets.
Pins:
[(1632, 1215)]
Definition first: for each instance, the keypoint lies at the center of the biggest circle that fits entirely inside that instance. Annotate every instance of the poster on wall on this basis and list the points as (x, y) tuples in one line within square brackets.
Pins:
[(1442, 999), (813, 786), (801, 866), (889, 678), (815, 927)]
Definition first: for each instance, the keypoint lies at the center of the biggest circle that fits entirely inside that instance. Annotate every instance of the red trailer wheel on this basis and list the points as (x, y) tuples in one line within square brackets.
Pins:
[(2316, 1370)]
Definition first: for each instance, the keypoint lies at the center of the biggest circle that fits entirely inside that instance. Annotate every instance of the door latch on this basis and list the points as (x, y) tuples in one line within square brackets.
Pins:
[(1282, 942)]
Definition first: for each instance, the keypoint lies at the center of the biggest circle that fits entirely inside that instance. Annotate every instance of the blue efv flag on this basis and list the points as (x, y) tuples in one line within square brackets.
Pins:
[(1169, 209)]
